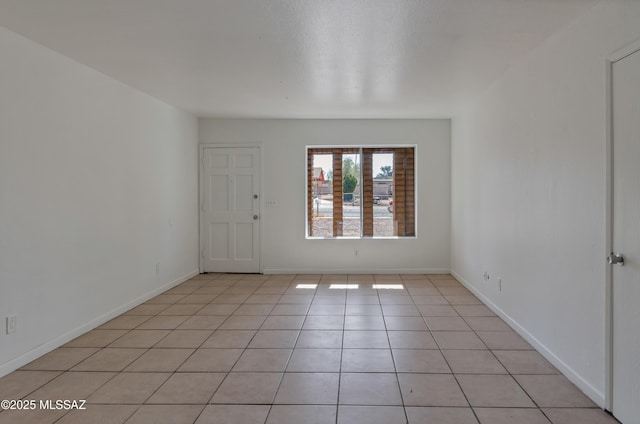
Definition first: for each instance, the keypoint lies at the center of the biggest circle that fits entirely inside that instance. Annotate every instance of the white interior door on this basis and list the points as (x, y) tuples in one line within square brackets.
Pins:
[(626, 239), (230, 210)]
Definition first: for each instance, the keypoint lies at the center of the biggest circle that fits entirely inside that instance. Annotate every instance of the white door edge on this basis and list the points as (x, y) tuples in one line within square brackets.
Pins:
[(614, 57)]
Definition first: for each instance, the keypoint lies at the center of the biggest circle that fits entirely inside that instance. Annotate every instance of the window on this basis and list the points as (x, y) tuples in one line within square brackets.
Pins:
[(360, 192)]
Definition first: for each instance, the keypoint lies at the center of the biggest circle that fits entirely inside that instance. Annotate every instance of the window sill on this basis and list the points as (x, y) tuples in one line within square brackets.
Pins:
[(362, 238)]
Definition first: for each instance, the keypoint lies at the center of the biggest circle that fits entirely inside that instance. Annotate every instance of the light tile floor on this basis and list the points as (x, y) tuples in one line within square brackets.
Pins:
[(254, 349)]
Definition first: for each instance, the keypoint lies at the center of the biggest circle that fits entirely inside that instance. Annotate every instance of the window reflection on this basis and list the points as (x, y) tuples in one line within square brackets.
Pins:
[(388, 286), (343, 286)]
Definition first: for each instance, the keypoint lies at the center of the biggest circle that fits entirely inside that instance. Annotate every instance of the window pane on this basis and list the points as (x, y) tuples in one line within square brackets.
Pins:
[(322, 189), (382, 194), (351, 215), (361, 192)]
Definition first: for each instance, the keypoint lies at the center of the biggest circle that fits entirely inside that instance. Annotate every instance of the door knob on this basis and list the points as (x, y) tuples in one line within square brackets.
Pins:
[(255, 217), (615, 259)]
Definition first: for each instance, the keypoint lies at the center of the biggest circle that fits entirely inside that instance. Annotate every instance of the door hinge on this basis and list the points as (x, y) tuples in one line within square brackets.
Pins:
[(203, 252)]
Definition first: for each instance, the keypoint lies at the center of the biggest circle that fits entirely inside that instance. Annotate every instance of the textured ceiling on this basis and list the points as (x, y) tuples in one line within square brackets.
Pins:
[(297, 58)]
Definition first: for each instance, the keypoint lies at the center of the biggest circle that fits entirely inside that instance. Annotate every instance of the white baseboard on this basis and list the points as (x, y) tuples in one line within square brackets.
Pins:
[(594, 394), (356, 271), (47, 347)]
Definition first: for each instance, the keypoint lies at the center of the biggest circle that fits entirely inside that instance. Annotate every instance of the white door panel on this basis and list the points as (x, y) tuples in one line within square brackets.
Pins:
[(230, 213), (244, 242), (626, 239), (219, 240)]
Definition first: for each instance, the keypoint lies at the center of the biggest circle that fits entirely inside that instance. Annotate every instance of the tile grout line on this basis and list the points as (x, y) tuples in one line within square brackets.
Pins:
[(275, 393), (393, 359)]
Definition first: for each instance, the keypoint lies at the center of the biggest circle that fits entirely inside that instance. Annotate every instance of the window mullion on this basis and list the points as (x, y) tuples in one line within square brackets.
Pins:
[(399, 192), (337, 193), (366, 204)]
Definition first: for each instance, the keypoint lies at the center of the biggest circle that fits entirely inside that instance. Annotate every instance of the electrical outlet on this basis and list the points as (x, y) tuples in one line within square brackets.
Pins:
[(12, 324), (355, 252), (272, 203)]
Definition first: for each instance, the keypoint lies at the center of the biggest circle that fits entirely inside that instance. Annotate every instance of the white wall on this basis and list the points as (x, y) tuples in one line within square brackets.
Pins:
[(528, 192), (285, 249), (98, 183)]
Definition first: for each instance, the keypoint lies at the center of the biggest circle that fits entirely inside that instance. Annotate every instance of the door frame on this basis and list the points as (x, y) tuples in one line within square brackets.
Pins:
[(614, 57), (201, 237)]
